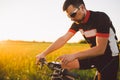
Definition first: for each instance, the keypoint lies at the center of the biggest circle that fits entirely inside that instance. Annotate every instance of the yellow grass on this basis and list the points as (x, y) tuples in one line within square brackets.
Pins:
[(17, 60)]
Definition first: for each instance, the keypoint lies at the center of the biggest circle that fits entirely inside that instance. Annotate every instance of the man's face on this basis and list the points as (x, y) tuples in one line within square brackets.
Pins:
[(76, 14)]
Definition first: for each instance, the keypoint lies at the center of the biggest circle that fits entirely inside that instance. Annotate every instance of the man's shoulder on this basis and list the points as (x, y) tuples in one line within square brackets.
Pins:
[(99, 16), (98, 13)]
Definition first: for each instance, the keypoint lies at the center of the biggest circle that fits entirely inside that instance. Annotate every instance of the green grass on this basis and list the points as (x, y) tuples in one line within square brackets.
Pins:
[(17, 60)]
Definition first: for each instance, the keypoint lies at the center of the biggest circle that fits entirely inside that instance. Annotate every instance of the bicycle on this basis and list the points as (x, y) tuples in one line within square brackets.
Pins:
[(58, 73)]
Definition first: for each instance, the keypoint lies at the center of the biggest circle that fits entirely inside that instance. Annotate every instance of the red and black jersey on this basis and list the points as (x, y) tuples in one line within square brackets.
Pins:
[(97, 24)]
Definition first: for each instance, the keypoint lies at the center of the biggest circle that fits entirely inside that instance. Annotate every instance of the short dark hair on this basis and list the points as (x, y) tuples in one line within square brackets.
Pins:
[(75, 3)]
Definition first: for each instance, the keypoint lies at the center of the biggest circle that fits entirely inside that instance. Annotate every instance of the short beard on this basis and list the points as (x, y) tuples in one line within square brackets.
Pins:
[(81, 20)]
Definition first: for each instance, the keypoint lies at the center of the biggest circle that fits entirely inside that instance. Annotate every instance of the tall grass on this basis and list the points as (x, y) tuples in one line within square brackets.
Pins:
[(17, 60)]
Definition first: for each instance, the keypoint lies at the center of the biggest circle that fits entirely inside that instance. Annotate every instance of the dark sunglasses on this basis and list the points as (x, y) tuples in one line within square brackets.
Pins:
[(73, 14)]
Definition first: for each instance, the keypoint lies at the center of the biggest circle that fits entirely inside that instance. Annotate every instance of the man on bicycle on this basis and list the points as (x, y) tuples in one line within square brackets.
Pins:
[(98, 31)]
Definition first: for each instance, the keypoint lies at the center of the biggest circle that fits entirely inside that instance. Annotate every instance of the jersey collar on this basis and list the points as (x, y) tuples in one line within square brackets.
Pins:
[(85, 20)]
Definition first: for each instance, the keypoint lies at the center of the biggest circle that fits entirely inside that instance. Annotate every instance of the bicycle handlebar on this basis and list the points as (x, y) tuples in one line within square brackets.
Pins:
[(57, 66)]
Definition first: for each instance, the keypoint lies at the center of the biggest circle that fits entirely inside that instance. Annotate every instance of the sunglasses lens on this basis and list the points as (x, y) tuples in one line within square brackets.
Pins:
[(73, 15)]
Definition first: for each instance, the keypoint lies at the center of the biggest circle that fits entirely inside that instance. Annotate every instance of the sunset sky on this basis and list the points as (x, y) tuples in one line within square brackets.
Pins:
[(44, 20)]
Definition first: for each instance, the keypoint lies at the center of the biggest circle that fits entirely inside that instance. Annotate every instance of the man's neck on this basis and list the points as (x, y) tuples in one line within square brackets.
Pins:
[(86, 16)]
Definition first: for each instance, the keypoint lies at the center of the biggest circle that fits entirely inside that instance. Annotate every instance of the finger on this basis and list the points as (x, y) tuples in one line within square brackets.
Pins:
[(64, 61), (37, 62), (59, 58)]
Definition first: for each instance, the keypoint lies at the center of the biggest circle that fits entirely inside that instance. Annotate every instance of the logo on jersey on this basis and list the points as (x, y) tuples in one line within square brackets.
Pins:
[(88, 33)]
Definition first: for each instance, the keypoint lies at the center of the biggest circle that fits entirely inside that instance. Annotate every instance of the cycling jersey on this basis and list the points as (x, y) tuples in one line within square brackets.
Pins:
[(97, 24)]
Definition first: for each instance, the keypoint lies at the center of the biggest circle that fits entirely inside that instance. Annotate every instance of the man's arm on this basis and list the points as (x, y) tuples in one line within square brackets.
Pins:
[(56, 45), (99, 49)]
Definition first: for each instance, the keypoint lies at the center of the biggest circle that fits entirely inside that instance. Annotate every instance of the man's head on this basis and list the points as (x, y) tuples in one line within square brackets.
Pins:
[(75, 3), (75, 9)]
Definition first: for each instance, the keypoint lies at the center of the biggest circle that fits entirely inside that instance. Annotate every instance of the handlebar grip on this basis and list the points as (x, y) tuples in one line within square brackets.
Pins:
[(66, 72), (42, 62)]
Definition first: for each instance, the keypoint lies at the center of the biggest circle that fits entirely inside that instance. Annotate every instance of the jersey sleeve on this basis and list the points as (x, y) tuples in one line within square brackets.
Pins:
[(104, 26), (74, 28)]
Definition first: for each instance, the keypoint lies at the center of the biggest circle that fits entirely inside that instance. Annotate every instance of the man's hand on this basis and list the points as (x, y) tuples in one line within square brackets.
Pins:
[(38, 57), (65, 59)]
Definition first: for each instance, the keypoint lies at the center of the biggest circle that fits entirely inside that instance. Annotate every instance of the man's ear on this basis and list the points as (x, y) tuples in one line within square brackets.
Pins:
[(82, 6)]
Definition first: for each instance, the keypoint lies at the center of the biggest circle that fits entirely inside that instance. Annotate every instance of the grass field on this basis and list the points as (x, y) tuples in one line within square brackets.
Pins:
[(17, 60)]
